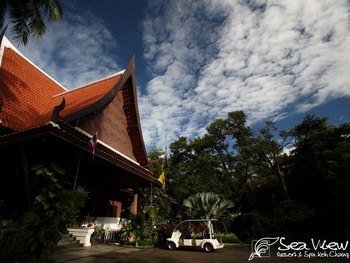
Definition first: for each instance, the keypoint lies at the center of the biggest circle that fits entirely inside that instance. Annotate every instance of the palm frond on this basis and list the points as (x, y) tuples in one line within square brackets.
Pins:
[(208, 205), (51, 8), (29, 16), (37, 24), (56, 10), (19, 19), (3, 9)]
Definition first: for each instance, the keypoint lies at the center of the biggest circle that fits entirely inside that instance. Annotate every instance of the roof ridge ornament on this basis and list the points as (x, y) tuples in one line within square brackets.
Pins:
[(55, 117), (53, 124)]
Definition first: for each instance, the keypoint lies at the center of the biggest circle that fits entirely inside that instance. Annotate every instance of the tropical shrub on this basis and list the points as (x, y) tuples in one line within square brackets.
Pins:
[(253, 225), (142, 231), (98, 234), (164, 232), (228, 238), (37, 232), (207, 205), (294, 220)]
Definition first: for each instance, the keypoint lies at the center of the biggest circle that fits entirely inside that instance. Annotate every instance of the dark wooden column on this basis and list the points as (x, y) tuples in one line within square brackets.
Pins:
[(26, 176)]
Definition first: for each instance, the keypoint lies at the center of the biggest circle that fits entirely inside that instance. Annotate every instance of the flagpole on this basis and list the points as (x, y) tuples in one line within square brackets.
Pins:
[(151, 194), (165, 150), (76, 174), (93, 143)]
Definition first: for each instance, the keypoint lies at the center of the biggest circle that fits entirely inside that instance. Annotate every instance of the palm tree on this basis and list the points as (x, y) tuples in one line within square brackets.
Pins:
[(28, 17), (208, 205)]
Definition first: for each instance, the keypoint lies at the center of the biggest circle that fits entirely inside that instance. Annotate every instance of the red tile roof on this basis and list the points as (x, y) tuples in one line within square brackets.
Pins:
[(28, 96), (24, 90), (87, 95)]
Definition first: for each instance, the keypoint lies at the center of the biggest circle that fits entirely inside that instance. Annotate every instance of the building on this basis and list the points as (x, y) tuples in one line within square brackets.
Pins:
[(43, 122)]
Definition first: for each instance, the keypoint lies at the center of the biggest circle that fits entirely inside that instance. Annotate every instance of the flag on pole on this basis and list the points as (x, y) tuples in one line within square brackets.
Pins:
[(162, 179), (93, 143)]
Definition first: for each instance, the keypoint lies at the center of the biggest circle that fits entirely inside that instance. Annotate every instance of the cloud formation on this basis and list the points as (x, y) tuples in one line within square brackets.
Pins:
[(76, 51), (269, 58)]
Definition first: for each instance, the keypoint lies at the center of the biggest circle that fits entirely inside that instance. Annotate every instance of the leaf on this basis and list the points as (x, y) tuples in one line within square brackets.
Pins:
[(39, 198)]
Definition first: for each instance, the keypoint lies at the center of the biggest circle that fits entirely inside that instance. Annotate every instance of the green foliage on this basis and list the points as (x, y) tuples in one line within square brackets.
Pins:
[(293, 220), (28, 17), (155, 153), (230, 160), (38, 231), (194, 168), (207, 205), (165, 231), (224, 223), (142, 231), (96, 236), (5, 224), (228, 238), (149, 237), (299, 193), (70, 202), (319, 173), (252, 225)]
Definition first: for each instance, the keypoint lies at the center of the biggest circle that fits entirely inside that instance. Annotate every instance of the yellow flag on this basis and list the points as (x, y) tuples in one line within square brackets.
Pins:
[(162, 179)]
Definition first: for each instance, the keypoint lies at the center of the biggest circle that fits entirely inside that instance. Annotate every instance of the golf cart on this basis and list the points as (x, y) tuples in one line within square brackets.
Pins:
[(197, 233)]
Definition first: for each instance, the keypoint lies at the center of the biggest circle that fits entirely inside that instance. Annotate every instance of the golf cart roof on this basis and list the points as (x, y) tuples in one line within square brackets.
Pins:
[(194, 220), (198, 220)]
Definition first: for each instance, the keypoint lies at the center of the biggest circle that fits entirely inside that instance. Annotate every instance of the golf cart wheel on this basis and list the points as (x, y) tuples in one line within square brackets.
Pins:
[(171, 245), (208, 247)]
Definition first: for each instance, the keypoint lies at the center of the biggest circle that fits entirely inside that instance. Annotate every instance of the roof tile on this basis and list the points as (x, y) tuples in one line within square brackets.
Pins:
[(28, 96)]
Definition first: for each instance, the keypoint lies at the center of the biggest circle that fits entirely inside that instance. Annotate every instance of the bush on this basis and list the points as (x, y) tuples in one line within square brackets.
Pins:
[(148, 242), (253, 225), (164, 232), (143, 231), (227, 238), (37, 232), (98, 234), (148, 237), (294, 220)]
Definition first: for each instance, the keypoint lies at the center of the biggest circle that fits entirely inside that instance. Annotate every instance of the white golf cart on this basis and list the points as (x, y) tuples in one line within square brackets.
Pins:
[(198, 233)]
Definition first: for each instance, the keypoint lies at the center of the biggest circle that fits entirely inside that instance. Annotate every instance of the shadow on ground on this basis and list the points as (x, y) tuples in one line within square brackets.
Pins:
[(230, 254)]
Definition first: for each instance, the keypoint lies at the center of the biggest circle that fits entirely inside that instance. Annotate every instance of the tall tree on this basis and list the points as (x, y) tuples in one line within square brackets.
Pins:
[(319, 170), (156, 158), (268, 153), (27, 17), (230, 159)]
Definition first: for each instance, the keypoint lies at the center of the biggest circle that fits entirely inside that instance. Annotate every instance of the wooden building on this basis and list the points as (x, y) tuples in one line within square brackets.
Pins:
[(41, 121)]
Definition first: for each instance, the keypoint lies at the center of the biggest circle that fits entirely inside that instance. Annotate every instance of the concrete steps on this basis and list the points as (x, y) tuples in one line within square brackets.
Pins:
[(68, 241)]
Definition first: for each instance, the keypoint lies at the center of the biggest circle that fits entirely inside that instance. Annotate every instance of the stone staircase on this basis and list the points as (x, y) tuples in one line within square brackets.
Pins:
[(68, 241)]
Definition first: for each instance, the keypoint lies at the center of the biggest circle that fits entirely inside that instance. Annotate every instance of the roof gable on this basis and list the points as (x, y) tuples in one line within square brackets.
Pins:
[(29, 98), (83, 97), (126, 88), (28, 95)]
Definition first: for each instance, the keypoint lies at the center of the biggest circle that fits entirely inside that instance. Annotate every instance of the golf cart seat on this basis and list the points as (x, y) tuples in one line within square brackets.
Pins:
[(176, 235)]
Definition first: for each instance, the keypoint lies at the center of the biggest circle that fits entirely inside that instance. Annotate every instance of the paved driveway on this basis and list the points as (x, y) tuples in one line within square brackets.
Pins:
[(230, 254)]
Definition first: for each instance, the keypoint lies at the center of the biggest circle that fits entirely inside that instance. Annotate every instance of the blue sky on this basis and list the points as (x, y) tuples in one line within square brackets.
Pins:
[(198, 60)]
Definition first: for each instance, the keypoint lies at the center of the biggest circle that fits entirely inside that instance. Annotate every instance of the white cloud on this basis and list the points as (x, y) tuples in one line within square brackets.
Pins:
[(212, 57), (270, 58), (75, 51)]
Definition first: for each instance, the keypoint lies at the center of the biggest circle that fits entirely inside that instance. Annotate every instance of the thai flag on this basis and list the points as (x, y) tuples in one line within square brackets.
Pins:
[(93, 143)]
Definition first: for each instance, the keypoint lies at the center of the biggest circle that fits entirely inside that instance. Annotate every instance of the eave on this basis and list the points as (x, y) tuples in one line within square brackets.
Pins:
[(69, 134)]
